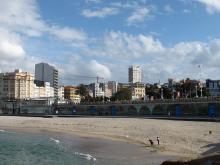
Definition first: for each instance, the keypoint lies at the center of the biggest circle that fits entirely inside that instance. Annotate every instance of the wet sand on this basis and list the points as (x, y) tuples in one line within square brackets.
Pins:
[(128, 136)]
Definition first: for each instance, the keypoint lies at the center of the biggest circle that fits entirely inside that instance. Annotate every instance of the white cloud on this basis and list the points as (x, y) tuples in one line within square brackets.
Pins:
[(68, 34), (168, 9), (93, 1), (140, 15), (125, 46), (212, 6), (115, 50), (20, 21), (10, 45), (101, 13), (159, 62), (21, 16), (82, 71), (186, 11), (99, 69)]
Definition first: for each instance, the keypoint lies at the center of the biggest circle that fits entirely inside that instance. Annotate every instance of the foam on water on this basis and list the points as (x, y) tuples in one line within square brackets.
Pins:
[(55, 140), (1, 130), (86, 156)]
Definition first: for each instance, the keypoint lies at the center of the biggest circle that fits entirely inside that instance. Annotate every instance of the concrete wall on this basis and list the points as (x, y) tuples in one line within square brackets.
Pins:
[(182, 110)]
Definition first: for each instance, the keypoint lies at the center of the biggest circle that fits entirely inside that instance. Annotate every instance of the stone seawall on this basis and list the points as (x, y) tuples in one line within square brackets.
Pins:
[(177, 110)]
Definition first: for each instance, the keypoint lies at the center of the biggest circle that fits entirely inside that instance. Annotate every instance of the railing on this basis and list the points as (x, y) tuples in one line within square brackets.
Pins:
[(158, 101)]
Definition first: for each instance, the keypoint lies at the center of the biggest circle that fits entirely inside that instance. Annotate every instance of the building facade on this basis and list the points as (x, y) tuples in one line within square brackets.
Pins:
[(70, 94), (16, 85), (113, 86), (43, 90), (47, 73), (213, 87), (138, 91), (61, 93), (134, 74)]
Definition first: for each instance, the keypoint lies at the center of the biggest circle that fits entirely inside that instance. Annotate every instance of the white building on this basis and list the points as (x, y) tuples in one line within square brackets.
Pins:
[(97, 91), (134, 74), (107, 91), (113, 86), (46, 73), (43, 91), (61, 92)]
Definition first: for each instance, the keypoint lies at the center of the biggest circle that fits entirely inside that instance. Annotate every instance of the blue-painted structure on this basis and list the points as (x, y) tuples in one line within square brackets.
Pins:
[(113, 110), (178, 111), (212, 110), (93, 110)]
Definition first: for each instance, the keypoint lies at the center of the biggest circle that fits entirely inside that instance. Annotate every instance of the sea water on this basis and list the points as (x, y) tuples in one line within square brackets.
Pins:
[(32, 149)]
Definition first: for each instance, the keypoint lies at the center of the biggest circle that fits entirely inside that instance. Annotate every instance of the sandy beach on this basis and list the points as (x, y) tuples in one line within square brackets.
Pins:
[(186, 139)]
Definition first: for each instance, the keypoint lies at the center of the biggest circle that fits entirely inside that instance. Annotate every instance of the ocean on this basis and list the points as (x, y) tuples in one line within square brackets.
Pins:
[(32, 149), (47, 148)]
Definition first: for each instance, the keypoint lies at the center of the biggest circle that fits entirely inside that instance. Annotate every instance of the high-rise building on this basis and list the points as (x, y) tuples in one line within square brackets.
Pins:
[(47, 73), (134, 74), (16, 85)]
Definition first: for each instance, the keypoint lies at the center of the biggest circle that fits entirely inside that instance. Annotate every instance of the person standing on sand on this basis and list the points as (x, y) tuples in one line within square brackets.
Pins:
[(158, 141), (151, 142)]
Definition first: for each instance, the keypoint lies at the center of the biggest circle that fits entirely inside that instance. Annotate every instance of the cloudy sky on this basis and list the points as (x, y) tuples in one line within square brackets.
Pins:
[(168, 38)]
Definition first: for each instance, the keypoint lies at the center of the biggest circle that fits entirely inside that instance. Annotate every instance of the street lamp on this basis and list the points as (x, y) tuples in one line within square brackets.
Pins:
[(200, 81), (196, 92), (201, 89), (172, 93)]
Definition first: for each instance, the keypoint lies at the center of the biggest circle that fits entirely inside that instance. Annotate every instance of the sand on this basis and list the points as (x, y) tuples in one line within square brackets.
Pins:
[(186, 139)]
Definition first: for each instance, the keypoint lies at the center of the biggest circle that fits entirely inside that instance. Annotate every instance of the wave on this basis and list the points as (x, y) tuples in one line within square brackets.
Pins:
[(1, 130), (86, 156), (55, 140)]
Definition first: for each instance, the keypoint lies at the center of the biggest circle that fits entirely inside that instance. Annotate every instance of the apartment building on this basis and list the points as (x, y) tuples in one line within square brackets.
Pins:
[(16, 85), (134, 74), (70, 94)]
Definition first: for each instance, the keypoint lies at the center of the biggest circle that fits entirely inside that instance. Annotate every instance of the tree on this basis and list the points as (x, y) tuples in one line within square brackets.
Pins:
[(123, 94), (153, 91), (167, 93), (82, 91)]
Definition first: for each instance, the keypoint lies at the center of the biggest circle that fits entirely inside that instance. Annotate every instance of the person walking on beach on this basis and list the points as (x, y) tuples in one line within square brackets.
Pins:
[(158, 141)]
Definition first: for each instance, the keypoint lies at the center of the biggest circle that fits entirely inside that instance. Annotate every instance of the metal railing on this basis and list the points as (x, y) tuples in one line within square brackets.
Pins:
[(156, 101)]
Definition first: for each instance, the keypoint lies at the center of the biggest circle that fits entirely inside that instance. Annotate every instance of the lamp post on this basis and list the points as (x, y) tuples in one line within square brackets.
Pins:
[(196, 92), (172, 93), (161, 95), (200, 80)]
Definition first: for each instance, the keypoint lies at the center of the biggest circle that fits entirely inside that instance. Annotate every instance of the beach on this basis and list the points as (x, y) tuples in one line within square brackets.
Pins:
[(178, 139)]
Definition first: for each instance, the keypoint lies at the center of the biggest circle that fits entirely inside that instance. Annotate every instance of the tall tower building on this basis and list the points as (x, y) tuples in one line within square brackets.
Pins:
[(134, 74), (47, 73)]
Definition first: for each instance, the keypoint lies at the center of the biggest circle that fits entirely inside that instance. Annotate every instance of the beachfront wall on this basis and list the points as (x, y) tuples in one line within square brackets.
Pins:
[(175, 110)]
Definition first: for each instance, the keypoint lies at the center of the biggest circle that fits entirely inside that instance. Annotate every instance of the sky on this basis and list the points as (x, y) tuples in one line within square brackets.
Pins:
[(167, 38)]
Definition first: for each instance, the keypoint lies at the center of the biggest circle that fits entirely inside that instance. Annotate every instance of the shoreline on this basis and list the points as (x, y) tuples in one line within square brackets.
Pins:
[(118, 131), (102, 148)]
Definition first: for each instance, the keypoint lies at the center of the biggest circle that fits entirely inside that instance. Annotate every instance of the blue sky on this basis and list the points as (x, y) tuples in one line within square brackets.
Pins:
[(168, 38)]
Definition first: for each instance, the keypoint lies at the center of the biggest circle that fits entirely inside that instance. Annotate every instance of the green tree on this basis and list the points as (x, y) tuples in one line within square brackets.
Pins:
[(82, 91), (123, 94), (153, 91), (167, 93)]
